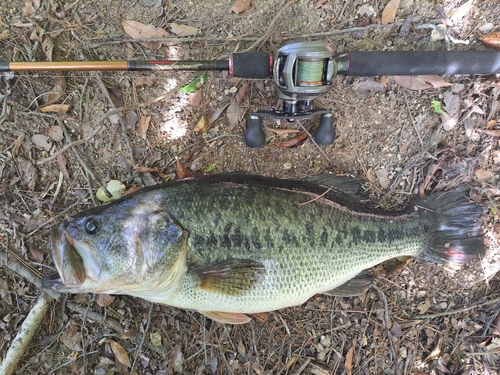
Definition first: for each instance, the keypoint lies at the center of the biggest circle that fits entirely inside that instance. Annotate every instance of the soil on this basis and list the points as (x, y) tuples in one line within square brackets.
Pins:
[(420, 319)]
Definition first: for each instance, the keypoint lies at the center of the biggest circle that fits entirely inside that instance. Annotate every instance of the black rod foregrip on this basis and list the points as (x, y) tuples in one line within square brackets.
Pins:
[(252, 65), (396, 63)]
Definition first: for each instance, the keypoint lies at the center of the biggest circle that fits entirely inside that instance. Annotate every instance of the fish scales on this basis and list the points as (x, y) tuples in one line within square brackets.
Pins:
[(236, 243)]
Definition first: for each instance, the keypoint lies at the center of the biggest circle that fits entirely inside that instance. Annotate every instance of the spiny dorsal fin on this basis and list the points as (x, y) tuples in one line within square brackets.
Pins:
[(231, 277)]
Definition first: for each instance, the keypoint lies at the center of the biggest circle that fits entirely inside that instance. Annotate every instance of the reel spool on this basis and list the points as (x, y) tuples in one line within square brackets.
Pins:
[(302, 72)]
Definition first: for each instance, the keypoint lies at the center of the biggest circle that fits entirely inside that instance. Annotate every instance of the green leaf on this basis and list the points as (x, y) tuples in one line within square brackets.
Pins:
[(210, 168), (436, 107), (115, 187), (196, 84)]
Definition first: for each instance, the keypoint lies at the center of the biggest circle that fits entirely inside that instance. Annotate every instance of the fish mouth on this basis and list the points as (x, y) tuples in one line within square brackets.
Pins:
[(69, 263)]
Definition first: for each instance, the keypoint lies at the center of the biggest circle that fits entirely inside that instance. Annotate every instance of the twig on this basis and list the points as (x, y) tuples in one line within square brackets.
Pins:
[(314, 142), (315, 198), (386, 323), (24, 336), (458, 311), (250, 39), (270, 27), (445, 33), (144, 334)]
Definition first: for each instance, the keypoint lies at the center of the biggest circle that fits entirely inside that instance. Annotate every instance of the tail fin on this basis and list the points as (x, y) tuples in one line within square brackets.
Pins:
[(453, 223)]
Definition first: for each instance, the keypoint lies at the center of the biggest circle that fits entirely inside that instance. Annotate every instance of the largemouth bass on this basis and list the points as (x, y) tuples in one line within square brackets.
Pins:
[(232, 244)]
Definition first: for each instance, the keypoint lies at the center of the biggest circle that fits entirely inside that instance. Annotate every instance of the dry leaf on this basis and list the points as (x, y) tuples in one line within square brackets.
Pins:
[(240, 6), (183, 30), (241, 93), (214, 114), (57, 91), (294, 142), (144, 126), (133, 189), (42, 141), (36, 254), (119, 352), (348, 360), (61, 163), (181, 171), (116, 96), (491, 40), (234, 113), (56, 133), (241, 348), (144, 81), (143, 169), (59, 108), (283, 131), (203, 125), (28, 9), (424, 306), (491, 133), (4, 34), (195, 98), (461, 11), (390, 10), (383, 178), (104, 300), (481, 175), (421, 82), (48, 47), (71, 337), (138, 30), (435, 352)]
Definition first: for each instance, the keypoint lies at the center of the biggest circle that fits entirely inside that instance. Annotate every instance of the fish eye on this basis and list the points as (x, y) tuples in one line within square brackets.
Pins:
[(92, 225)]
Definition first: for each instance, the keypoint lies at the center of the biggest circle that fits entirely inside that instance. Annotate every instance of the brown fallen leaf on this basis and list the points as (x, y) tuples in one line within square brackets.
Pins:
[(144, 81), (28, 9), (119, 352), (491, 133), (234, 113), (390, 10), (203, 125), (143, 169), (183, 30), (240, 6), (195, 98), (181, 171), (294, 142), (283, 131), (36, 254), (481, 175), (56, 133), (214, 114), (104, 300), (423, 82), (47, 47), (116, 96), (241, 93), (138, 30), (424, 306), (61, 164), (436, 352), (491, 40), (72, 337), (41, 141), (348, 360), (57, 91), (4, 34), (58, 108), (144, 126)]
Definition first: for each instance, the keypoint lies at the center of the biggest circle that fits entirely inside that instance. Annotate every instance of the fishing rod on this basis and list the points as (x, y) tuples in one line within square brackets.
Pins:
[(301, 71)]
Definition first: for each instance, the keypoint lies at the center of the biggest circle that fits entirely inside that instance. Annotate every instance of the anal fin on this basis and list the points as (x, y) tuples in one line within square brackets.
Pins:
[(356, 286), (226, 317)]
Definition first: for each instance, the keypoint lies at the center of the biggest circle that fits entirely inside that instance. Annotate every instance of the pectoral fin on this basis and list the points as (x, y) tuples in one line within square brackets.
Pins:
[(232, 277), (226, 318), (354, 287)]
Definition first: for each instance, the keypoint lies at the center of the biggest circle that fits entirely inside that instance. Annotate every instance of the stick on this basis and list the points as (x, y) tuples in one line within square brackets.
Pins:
[(24, 336)]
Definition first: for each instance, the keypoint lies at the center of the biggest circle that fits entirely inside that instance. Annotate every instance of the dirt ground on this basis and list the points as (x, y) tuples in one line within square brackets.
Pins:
[(420, 319)]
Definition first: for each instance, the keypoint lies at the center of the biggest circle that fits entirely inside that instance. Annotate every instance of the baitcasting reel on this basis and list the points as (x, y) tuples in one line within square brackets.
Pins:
[(301, 72)]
